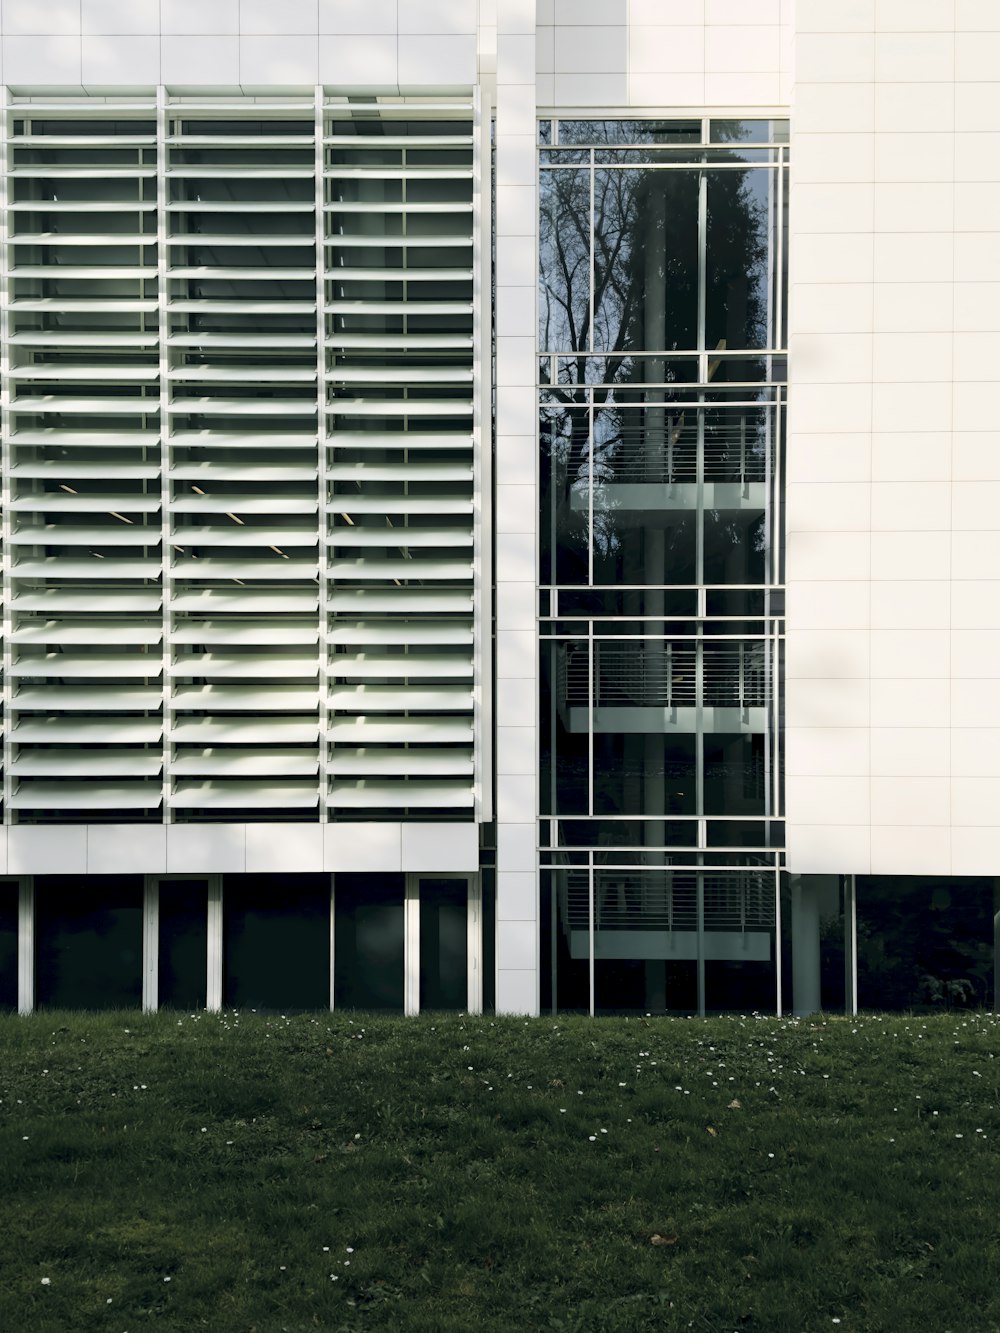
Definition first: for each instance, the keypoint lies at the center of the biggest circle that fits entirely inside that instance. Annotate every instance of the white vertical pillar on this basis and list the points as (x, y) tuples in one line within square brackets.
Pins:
[(25, 946), (474, 918), (517, 980), (151, 944), (411, 947), (213, 996)]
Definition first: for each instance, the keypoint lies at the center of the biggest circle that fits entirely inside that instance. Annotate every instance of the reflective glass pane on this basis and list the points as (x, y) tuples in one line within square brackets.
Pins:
[(630, 131), (645, 261), (735, 546), (564, 261), (564, 475), (740, 224)]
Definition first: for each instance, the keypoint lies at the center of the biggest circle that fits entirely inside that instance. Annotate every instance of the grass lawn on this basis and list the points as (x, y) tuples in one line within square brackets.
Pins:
[(241, 1172)]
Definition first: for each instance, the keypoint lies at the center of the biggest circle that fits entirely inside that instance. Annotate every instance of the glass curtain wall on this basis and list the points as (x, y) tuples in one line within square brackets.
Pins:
[(661, 401)]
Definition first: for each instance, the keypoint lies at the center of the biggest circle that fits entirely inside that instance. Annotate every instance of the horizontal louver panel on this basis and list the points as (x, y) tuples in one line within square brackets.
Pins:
[(241, 464)]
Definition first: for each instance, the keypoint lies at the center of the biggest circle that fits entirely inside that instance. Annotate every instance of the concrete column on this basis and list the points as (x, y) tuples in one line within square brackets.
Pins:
[(25, 946), (151, 944), (214, 960), (517, 934), (805, 946)]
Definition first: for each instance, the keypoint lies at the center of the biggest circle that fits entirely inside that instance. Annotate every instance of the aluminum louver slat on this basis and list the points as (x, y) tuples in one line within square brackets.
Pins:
[(216, 569)]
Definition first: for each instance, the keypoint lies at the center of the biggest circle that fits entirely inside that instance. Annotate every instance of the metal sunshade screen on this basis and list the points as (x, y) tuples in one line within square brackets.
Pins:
[(400, 420), (238, 459)]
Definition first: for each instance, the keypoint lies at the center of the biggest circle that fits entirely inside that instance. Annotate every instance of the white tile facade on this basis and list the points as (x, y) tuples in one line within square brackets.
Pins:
[(893, 101)]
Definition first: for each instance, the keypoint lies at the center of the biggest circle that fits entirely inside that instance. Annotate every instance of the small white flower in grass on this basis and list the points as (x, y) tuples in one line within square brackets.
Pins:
[(282, 1268), (770, 1154), (167, 1279), (562, 1111), (24, 1138), (623, 1085), (334, 1277), (959, 1136), (326, 1249), (46, 1282), (593, 1138), (350, 1249), (109, 1300)]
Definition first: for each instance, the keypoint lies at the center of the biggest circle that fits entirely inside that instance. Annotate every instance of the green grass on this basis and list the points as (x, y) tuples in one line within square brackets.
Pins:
[(237, 1172)]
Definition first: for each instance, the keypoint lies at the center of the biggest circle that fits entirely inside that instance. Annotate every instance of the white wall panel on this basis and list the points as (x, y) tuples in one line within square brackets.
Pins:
[(119, 16), (120, 59)]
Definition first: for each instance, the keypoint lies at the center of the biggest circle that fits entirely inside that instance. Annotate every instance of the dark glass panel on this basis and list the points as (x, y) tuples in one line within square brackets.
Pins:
[(564, 261), (183, 943), (734, 774), (645, 773), (614, 833), (620, 370), (276, 950), (736, 832), (925, 942), (564, 444), (645, 261), (735, 132), (629, 131), (369, 942), (8, 947), (564, 156), (564, 739), (88, 931), (737, 986), (613, 602), (735, 546), (646, 985), (545, 131), (736, 293), (443, 944)]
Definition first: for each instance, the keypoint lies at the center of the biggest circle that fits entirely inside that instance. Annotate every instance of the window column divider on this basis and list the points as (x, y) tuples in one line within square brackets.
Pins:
[(166, 550), (5, 465), (482, 454), (322, 467)]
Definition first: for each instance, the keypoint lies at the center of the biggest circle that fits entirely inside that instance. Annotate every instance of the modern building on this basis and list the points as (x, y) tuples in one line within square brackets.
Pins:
[(499, 504)]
